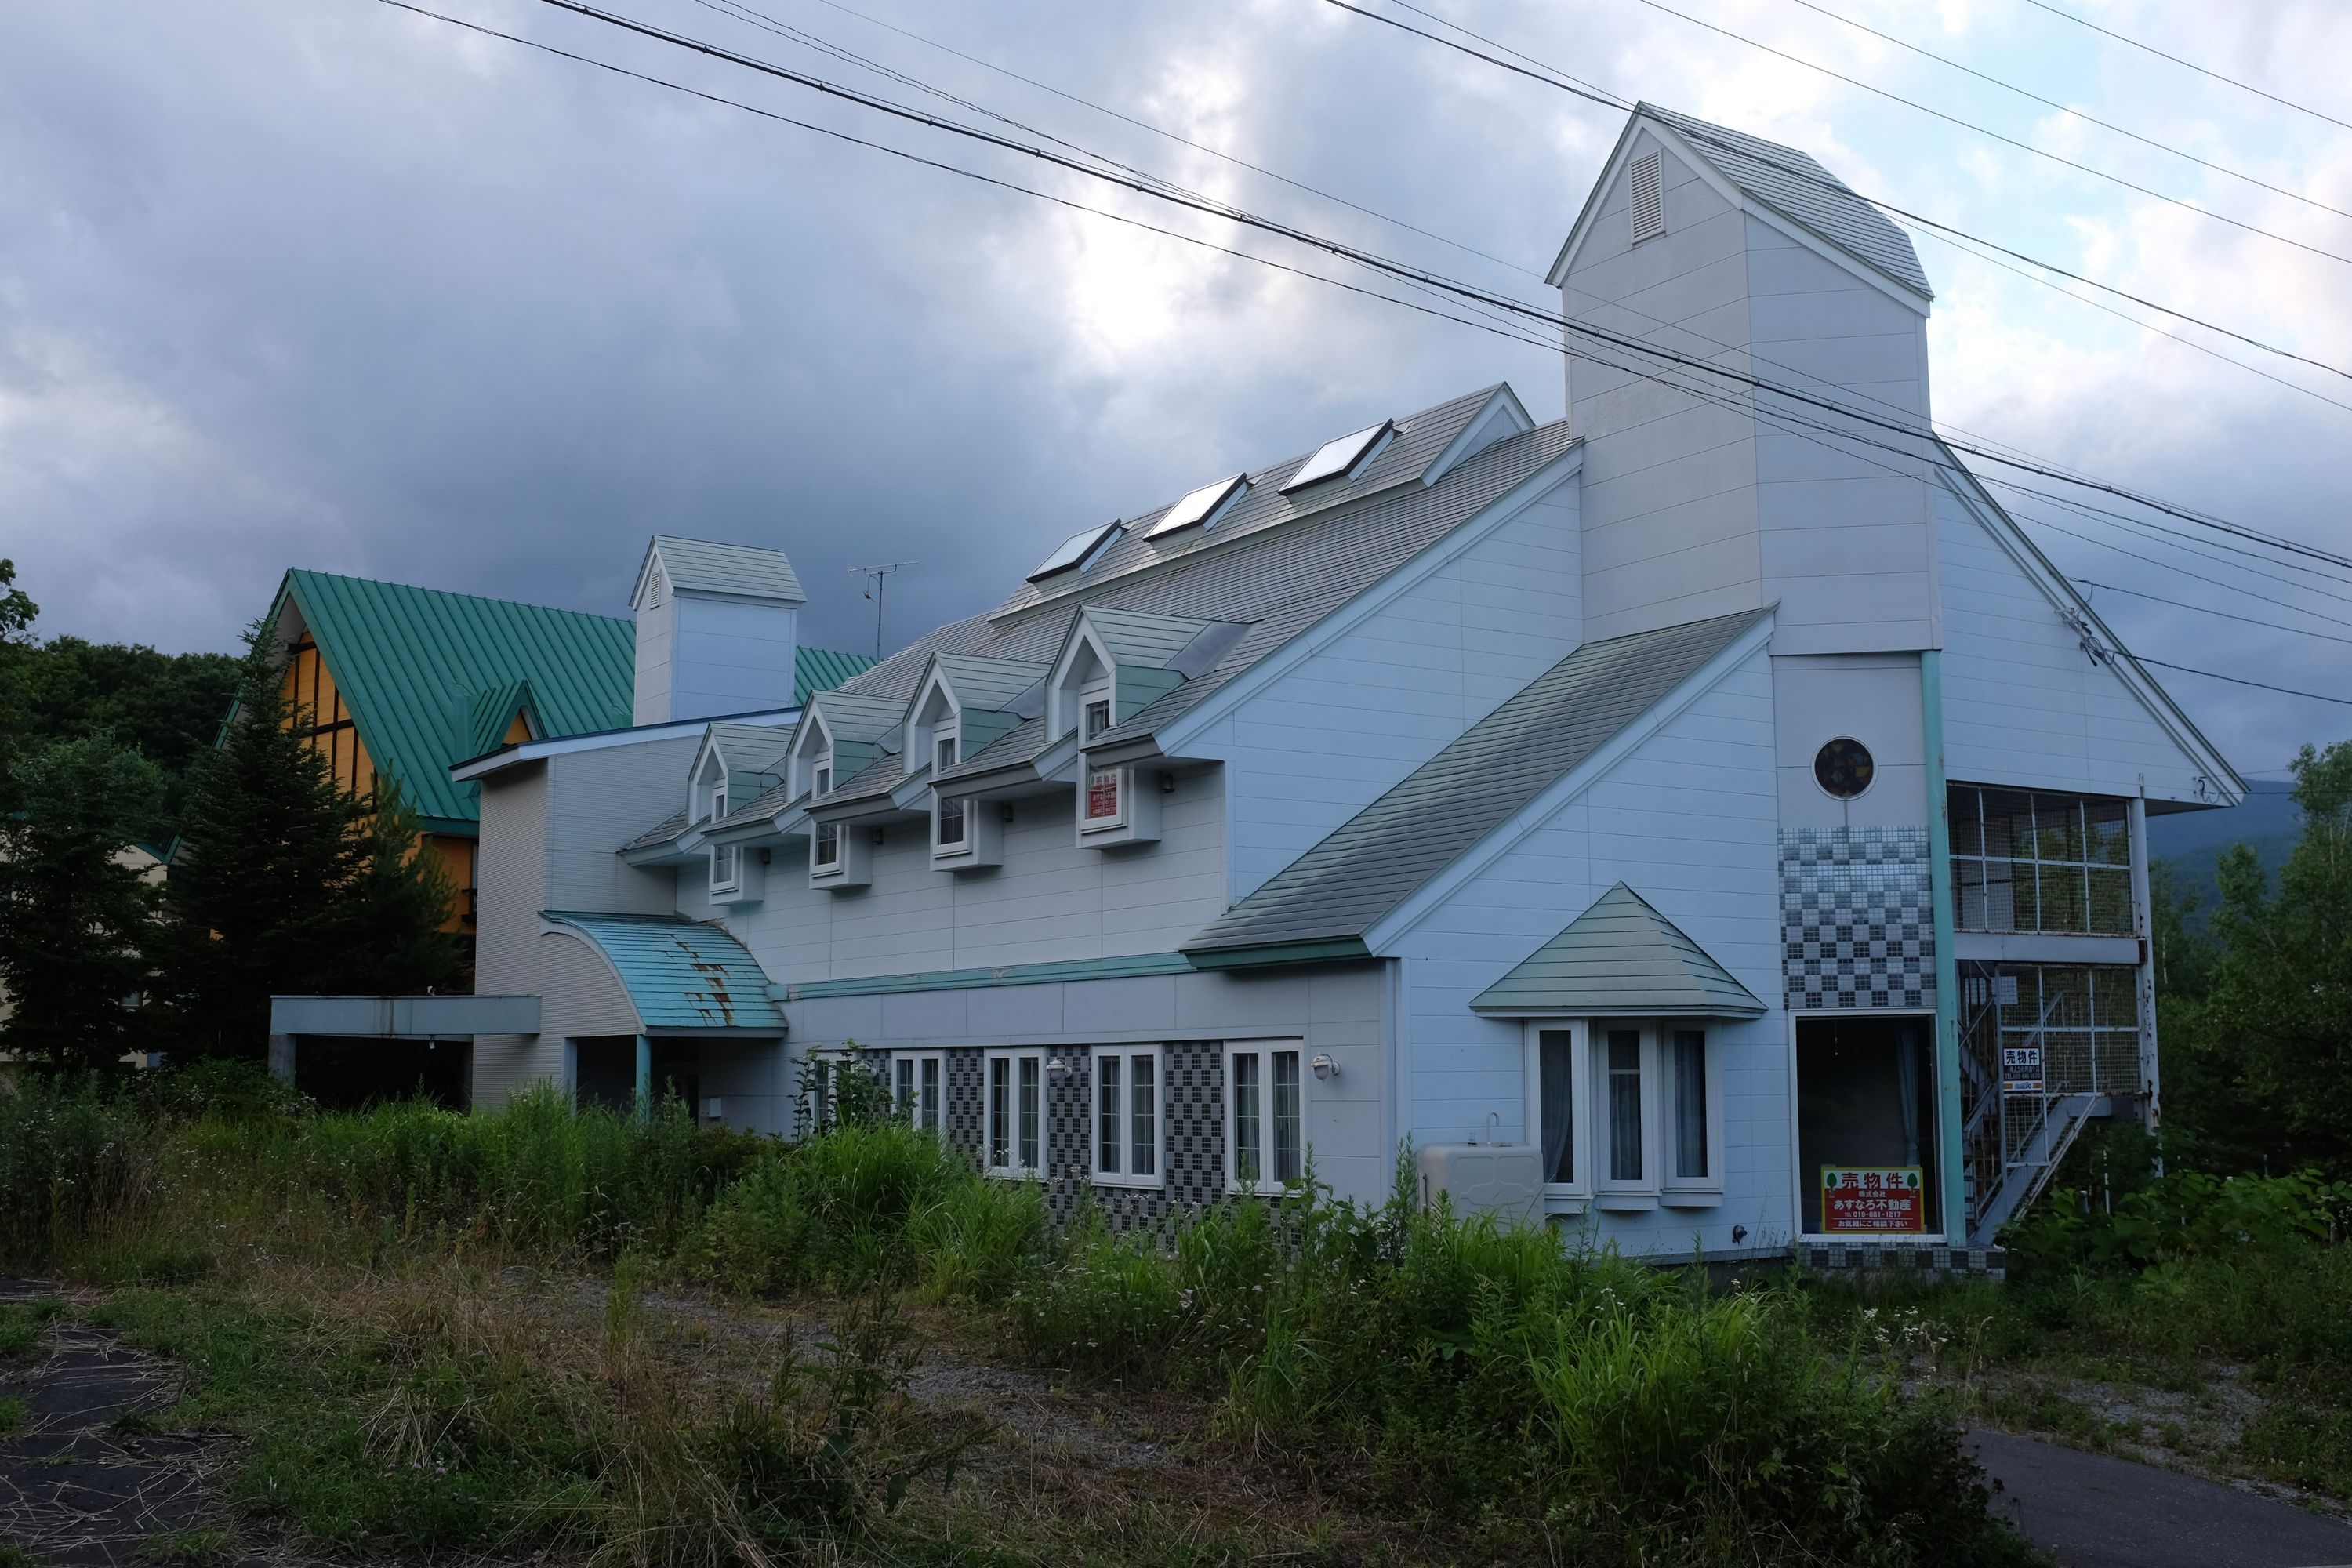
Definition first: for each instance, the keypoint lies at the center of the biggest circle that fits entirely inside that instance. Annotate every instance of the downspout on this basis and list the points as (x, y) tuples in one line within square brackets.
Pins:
[(1947, 968), (2151, 1078), (645, 1077)]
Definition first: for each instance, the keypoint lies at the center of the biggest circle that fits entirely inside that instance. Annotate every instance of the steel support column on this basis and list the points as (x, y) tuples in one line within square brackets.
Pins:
[(645, 1075)]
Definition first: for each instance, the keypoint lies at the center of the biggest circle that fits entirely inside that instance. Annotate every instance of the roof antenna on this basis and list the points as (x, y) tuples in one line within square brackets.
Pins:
[(876, 576)]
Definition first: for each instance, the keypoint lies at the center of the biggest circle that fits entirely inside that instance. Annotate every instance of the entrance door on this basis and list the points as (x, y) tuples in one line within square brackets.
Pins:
[(1866, 1139)]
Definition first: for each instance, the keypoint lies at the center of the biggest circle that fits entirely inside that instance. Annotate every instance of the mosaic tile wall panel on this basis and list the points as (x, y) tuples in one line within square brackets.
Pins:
[(1857, 927), (1192, 1140)]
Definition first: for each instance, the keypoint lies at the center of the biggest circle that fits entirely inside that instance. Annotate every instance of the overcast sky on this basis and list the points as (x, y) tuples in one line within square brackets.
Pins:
[(324, 283)]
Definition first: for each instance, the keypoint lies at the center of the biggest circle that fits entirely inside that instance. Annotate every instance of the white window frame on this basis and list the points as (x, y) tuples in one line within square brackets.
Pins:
[(818, 859), (1096, 693), (821, 773), (947, 745), (1266, 1051), (961, 843), (726, 874), (1572, 1196), (1117, 1066), (1123, 781), (1012, 1167), (919, 1085), (1608, 1191), (1676, 1190)]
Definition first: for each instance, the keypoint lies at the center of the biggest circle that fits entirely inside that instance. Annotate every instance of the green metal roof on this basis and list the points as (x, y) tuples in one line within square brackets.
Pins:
[(1619, 959), (427, 674), (680, 973), (818, 670), (410, 661)]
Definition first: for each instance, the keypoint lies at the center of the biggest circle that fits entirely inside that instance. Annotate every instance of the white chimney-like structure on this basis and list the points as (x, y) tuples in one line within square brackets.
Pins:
[(718, 630)]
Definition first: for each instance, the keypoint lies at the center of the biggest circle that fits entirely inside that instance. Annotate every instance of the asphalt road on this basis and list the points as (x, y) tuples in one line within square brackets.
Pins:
[(2098, 1511)]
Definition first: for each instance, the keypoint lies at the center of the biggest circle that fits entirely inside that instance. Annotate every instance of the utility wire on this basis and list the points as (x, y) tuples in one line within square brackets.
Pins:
[(2200, 71), (2091, 170), (1176, 137), (1391, 269), (2067, 109), (2209, 610), (1698, 133), (2236, 680)]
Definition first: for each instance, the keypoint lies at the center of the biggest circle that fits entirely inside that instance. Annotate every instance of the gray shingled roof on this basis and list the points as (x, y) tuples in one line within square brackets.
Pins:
[(667, 831), (1619, 959), (1279, 580), (1363, 869), (1798, 188), (751, 751), (702, 566)]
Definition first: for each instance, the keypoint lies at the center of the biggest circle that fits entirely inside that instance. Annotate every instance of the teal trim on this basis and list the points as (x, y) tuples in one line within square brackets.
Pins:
[(1143, 963), (1948, 967), (1281, 953)]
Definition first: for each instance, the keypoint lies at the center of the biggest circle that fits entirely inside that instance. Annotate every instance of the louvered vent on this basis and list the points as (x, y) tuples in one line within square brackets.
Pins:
[(1648, 204)]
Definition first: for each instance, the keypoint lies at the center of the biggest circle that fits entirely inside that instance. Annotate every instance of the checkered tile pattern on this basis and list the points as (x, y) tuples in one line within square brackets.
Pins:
[(1856, 925), (1192, 1130), (1871, 1261)]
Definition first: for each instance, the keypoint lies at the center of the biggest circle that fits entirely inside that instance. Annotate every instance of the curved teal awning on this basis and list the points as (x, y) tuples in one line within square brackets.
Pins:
[(680, 974)]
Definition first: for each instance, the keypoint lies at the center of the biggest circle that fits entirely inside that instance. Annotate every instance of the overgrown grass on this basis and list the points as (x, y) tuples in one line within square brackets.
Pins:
[(330, 1282)]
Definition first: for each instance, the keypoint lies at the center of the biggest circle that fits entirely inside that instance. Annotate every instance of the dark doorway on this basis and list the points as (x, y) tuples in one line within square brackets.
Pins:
[(347, 1074), (1866, 1102), (606, 1071)]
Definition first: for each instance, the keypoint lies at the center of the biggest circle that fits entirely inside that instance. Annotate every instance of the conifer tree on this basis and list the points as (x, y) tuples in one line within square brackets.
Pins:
[(286, 884), (77, 920)]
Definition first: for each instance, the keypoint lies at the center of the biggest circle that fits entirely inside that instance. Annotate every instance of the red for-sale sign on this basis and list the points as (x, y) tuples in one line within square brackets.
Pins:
[(1874, 1200)]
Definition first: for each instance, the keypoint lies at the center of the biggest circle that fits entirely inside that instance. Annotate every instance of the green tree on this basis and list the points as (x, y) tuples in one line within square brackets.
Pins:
[(77, 920), (2269, 1051), (285, 884)]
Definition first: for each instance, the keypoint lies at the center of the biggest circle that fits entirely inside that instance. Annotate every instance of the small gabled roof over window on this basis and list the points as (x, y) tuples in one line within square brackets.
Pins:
[(1200, 507), (1340, 458), (1076, 553), (491, 716), (752, 755), (991, 697), (1619, 959)]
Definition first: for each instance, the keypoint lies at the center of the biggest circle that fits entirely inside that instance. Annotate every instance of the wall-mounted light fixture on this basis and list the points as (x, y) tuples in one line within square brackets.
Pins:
[(1738, 1234), (1005, 812), (1057, 1065), (1167, 784), (1325, 1068), (878, 837)]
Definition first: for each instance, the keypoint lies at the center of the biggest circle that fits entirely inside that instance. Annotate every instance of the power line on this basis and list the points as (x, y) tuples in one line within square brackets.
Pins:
[(1390, 268), (2067, 109), (1996, 135), (2272, 599), (2209, 610), (2200, 71), (1699, 134), (2236, 680)]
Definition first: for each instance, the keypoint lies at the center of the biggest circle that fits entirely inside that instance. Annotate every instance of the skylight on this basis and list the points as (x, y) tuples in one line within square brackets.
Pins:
[(1073, 551), (1201, 506), (1340, 456)]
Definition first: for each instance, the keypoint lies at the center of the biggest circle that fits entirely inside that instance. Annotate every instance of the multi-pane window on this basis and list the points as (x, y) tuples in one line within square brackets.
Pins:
[(1126, 1117), (1692, 1158), (1265, 1142), (1104, 801), (821, 777), (1098, 716), (827, 849), (943, 752), (1621, 1106), (816, 1081), (2023, 860), (722, 856), (915, 1089), (951, 822), (1016, 1113)]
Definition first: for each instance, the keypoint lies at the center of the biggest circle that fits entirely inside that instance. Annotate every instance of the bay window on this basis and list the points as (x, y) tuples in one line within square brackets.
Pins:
[(1625, 1113)]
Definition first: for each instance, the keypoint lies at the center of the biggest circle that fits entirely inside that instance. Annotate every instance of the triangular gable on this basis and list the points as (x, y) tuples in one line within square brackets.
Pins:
[(704, 567), (1980, 631), (1619, 959), (1787, 189), (495, 712), (409, 661)]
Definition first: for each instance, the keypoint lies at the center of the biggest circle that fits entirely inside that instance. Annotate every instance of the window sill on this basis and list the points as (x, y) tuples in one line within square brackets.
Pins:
[(1625, 1202), (1136, 1184), (1690, 1198), (1272, 1190), (1565, 1202), (1012, 1173)]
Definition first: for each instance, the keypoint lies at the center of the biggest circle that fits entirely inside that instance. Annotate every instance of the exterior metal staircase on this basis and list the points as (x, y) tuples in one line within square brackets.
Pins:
[(2012, 1142)]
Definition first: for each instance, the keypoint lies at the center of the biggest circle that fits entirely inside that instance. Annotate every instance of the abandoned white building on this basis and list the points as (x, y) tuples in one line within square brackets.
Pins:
[(1706, 815)]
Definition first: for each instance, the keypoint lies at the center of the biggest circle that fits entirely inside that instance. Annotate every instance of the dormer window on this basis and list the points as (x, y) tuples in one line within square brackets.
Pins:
[(943, 751), (1098, 715), (821, 775)]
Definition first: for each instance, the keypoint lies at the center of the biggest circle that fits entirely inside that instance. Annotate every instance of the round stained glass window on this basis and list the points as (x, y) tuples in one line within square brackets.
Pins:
[(1843, 768)]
